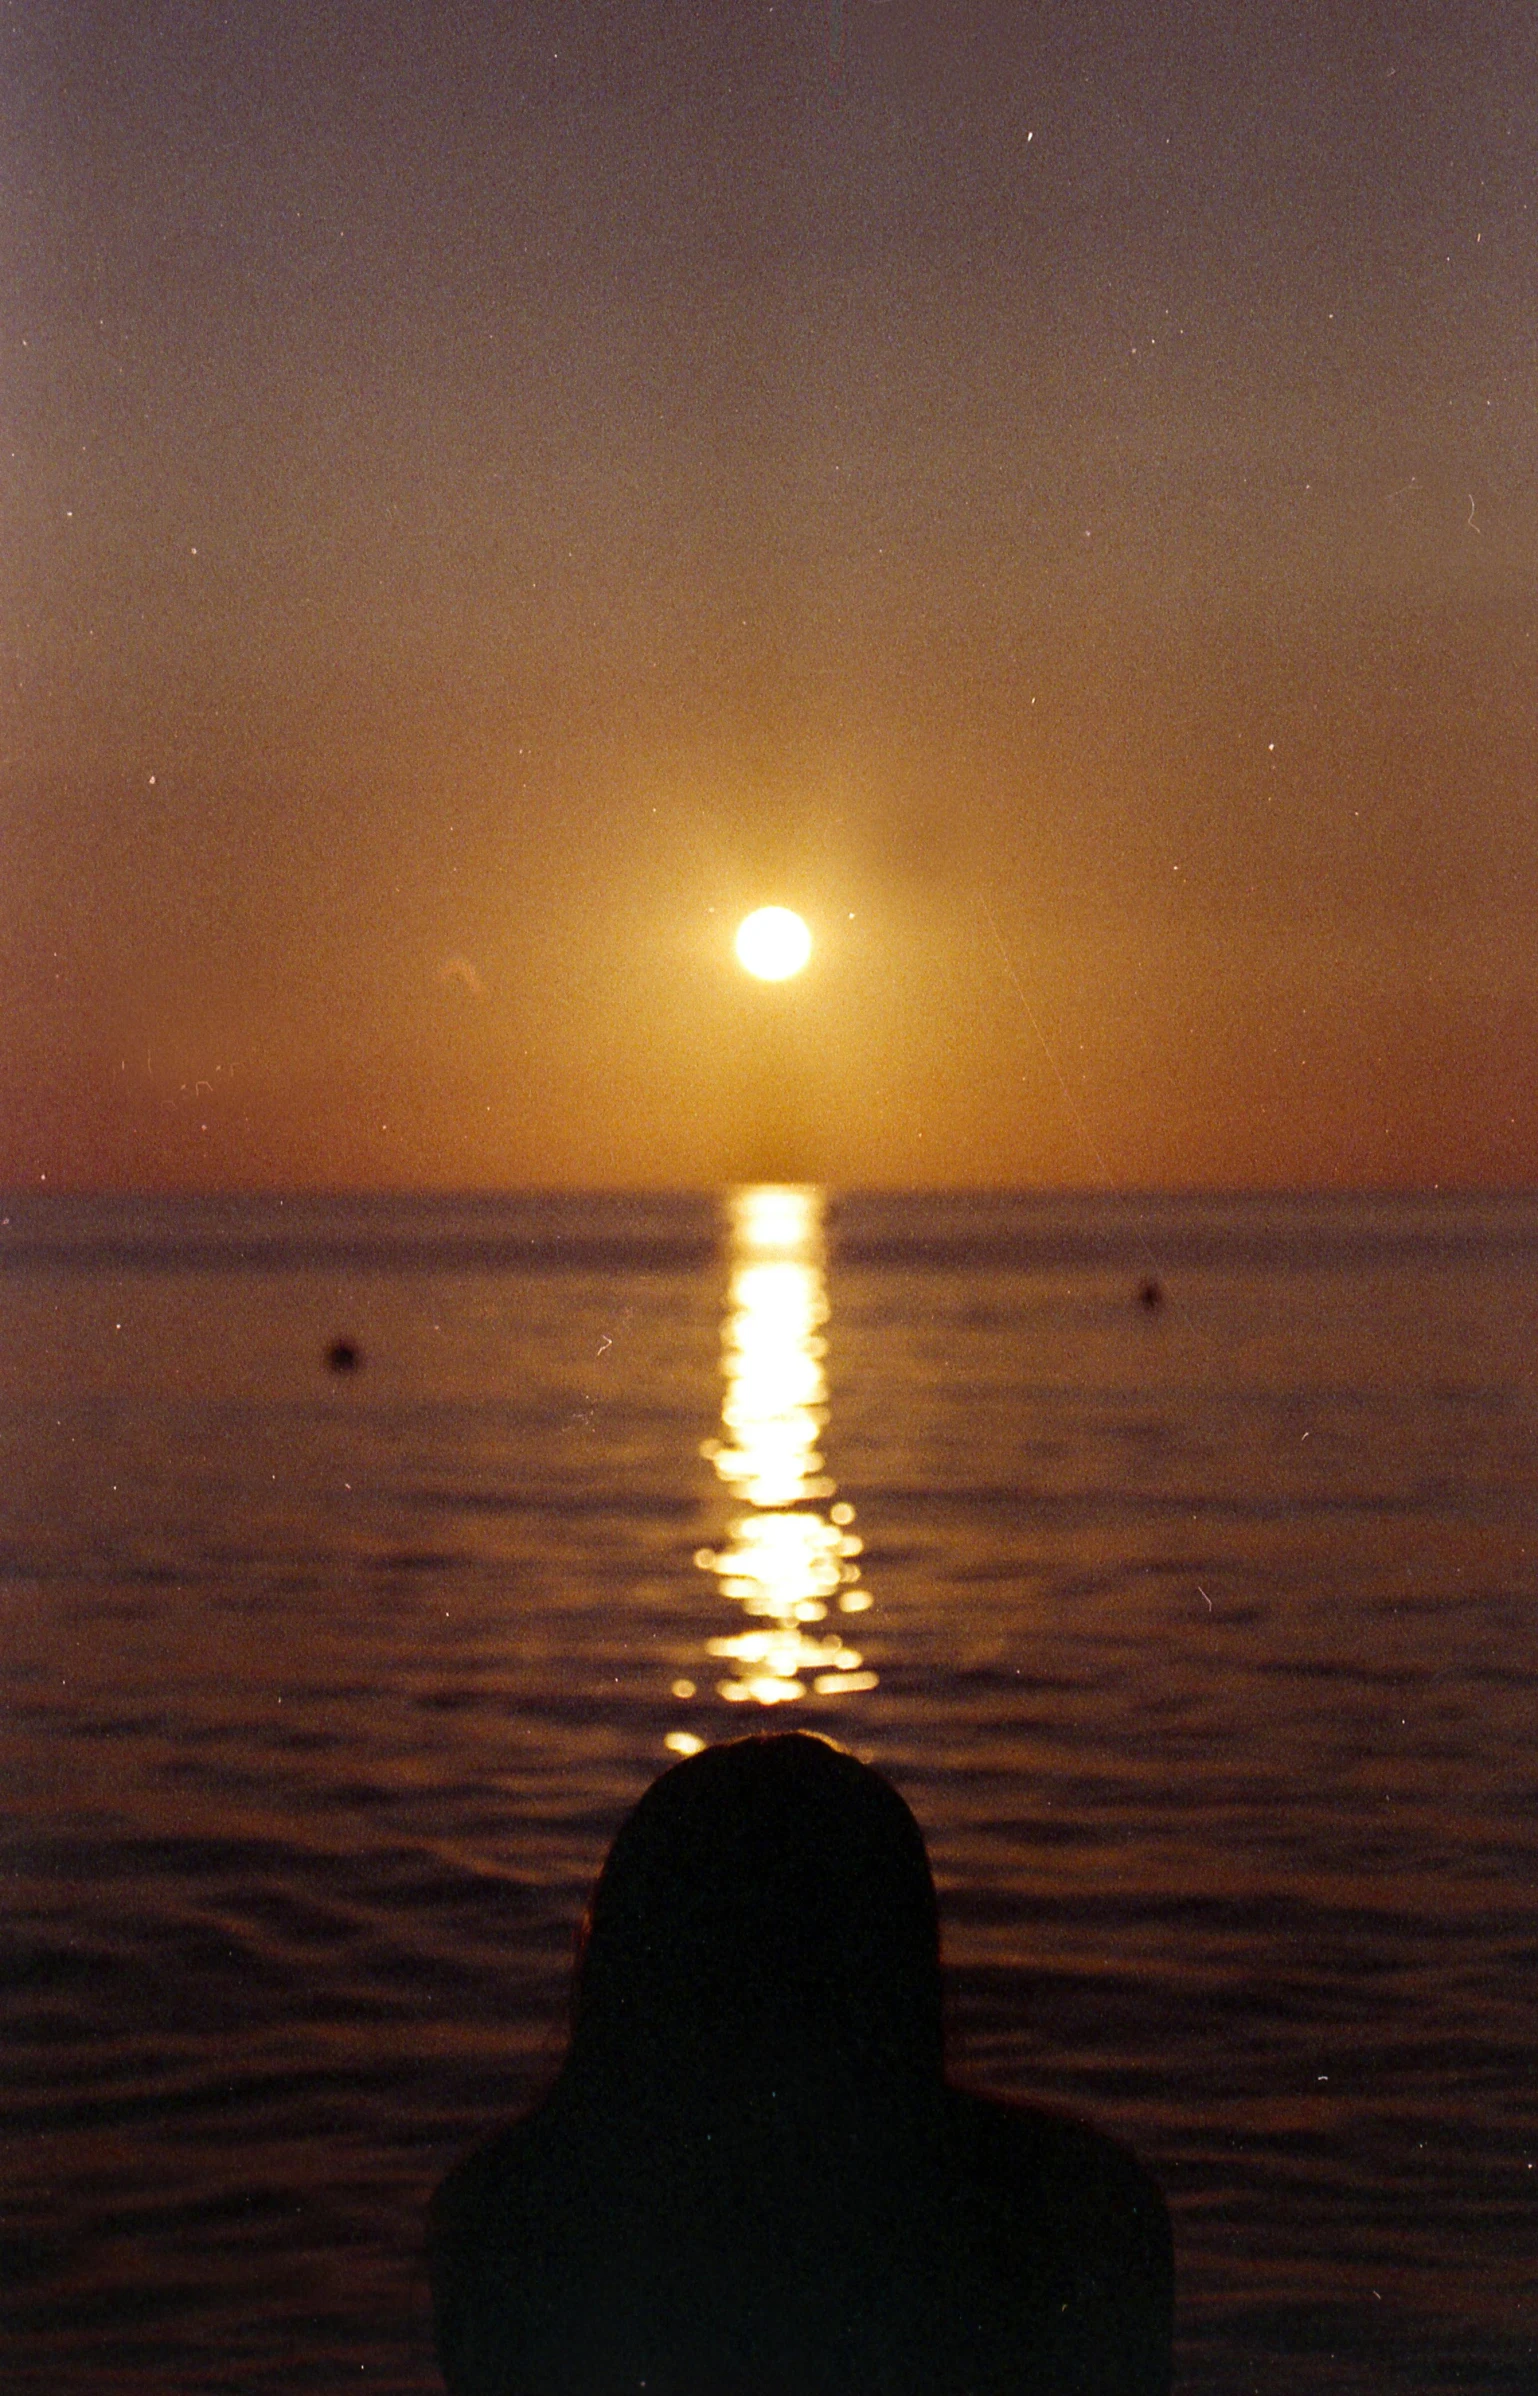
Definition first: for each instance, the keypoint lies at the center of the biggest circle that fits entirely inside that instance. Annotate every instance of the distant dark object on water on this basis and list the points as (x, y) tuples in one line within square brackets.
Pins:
[(1150, 1295), (344, 1356)]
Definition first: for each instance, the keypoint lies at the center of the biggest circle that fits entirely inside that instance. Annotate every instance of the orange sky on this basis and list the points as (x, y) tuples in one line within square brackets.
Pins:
[(489, 505)]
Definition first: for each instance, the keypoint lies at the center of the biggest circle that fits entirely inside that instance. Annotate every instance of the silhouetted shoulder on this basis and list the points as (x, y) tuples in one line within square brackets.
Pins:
[(1043, 2268), (508, 2232), (1066, 2249)]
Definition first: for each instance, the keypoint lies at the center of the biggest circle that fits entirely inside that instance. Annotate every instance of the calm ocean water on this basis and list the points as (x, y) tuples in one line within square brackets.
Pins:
[(1199, 1634)]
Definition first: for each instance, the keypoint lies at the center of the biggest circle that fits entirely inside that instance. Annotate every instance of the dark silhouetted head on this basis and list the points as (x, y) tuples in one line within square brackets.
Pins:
[(750, 2175), (763, 1932)]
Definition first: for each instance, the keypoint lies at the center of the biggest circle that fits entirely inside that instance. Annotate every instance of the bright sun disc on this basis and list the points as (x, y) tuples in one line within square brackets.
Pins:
[(773, 943)]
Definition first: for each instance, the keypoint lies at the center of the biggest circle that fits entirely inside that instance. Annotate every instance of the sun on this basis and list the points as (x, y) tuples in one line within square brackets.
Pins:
[(773, 944)]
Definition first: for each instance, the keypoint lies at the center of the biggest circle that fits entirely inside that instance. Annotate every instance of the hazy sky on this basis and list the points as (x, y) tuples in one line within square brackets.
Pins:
[(491, 492)]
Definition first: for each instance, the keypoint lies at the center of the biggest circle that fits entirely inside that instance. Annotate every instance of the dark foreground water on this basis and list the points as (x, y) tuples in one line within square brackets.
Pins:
[(1199, 1634)]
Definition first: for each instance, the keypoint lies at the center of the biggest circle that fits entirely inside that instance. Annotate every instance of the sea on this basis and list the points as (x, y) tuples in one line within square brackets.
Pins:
[(362, 1560)]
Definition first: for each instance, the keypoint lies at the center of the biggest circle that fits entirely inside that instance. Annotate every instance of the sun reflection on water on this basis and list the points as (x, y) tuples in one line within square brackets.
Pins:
[(788, 1559)]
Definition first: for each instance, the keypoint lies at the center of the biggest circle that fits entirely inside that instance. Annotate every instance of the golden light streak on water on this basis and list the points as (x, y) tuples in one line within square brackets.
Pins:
[(788, 1557)]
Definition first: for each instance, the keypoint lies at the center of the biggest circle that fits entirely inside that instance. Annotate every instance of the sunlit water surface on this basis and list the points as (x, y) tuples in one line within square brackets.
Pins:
[(1199, 1634)]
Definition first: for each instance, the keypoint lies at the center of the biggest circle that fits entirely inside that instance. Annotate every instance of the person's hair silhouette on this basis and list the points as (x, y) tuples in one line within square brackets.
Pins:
[(751, 2178)]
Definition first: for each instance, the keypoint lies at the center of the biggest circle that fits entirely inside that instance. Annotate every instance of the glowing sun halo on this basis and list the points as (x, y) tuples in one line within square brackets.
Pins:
[(773, 944)]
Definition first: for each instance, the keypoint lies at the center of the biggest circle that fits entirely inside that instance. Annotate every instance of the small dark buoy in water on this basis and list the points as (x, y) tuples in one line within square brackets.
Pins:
[(1150, 1295), (343, 1356)]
